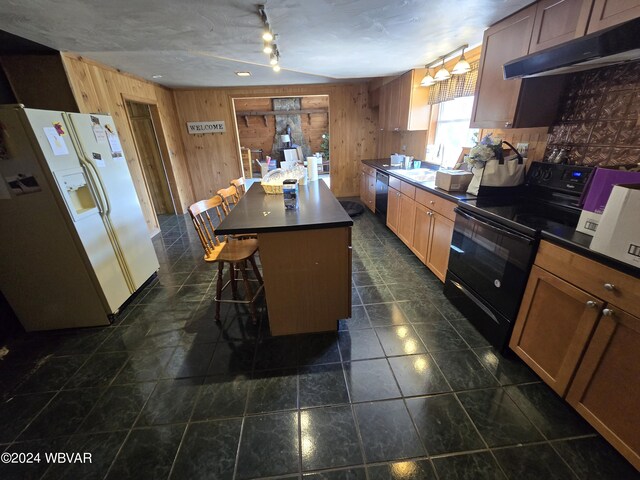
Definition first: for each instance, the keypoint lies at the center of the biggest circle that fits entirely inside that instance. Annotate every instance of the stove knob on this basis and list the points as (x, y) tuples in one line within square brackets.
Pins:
[(536, 174), (546, 175)]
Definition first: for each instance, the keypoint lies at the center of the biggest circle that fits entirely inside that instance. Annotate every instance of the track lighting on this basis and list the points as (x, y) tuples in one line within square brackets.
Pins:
[(461, 67), (268, 38)]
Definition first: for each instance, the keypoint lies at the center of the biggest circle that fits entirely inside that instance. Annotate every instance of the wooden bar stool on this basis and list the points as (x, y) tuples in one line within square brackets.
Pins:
[(221, 250), (240, 186)]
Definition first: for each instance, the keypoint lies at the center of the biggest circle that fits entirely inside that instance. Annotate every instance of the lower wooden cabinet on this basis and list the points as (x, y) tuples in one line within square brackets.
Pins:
[(606, 387), (439, 245), (424, 224), (393, 208), (553, 327), (421, 232), (368, 187), (582, 343), (406, 219)]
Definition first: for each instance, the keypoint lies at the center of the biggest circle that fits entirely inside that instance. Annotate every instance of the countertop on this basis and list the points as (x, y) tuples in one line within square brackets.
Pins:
[(567, 237), (384, 165), (258, 212)]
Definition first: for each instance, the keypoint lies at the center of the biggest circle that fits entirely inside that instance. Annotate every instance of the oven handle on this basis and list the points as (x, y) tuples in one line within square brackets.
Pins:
[(471, 297), (508, 233)]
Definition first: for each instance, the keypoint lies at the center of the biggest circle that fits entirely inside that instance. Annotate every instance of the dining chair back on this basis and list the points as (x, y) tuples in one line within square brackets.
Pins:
[(240, 186), (220, 249), (229, 197)]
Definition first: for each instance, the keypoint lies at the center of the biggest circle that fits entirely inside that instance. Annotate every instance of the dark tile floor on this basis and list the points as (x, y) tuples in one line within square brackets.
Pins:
[(406, 389)]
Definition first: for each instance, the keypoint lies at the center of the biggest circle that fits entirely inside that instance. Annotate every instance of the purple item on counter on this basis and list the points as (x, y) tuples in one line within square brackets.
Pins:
[(601, 185)]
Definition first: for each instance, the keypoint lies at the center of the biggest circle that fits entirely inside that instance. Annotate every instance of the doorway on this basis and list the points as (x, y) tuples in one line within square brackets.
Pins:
[(263, 122), (146, 140)]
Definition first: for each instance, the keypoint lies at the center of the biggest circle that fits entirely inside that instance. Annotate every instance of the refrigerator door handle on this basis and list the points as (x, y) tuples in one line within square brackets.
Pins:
[(92, 188), (94, 180)]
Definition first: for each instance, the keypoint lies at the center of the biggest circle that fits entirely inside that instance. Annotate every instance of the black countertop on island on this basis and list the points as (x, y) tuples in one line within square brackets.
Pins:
[(384, 165), (258, 212)]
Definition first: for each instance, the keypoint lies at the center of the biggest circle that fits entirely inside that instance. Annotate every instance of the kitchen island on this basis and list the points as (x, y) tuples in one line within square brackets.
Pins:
[(305, 256)]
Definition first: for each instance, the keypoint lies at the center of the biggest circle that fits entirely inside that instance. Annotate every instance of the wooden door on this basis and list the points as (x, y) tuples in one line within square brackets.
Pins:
[(406, 219), (607, 13), (553, 327), (606, 387), (150, 158), (421, 231), (495, 100), (558, 21), (439, 245), (393, 209)]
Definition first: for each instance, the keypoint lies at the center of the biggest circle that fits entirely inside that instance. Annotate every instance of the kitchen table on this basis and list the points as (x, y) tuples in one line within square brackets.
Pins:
[(305, 256)]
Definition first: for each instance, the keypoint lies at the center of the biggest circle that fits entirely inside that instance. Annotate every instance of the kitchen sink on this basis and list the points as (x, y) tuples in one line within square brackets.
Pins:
[(417, 174)]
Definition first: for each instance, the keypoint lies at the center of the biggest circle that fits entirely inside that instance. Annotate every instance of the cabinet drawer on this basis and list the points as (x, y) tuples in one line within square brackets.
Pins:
[(369, 170), (394, 182), (601, 281), (436, 203), (408, 189)]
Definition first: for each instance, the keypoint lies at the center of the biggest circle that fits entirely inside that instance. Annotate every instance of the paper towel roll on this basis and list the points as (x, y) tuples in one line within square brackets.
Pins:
[(312, 169)]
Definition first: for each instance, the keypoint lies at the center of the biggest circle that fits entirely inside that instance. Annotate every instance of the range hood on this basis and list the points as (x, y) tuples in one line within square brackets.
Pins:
[(617, 44)]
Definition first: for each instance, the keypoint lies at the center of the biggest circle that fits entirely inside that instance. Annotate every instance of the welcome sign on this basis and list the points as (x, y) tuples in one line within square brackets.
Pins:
[(216, 126)]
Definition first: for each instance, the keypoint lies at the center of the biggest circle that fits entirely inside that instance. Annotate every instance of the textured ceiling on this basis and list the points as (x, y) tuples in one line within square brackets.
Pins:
[(199, 43)]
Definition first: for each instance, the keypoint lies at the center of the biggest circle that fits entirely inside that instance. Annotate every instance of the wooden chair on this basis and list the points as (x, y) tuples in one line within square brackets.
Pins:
[(222, 250), (229, 196), (240, 187)]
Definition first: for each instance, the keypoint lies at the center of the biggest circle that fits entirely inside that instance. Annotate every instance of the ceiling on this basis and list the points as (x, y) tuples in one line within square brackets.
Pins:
[(201, 43)]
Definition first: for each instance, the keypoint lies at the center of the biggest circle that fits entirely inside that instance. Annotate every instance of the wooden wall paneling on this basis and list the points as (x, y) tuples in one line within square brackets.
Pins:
[(216, 157), (39, 81)]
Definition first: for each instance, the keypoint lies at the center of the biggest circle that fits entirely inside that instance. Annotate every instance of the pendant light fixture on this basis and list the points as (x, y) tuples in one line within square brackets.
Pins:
[(462, 66), (442, 74), (428, 80)]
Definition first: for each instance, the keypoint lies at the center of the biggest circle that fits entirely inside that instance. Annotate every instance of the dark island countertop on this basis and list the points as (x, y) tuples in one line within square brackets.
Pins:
[(384, 165), (258, 212)]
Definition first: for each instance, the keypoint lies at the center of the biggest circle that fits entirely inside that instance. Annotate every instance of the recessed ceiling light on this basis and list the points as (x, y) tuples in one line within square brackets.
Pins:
[(156, 76), (243, 74)]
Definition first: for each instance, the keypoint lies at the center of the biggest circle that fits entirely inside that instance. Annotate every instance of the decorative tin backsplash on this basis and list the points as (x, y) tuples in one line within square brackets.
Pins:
[(599, 119)]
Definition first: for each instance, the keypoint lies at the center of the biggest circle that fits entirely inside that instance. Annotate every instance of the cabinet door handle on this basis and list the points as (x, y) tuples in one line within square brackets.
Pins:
[(607, 312), (609, 286), (432, 202), (591, 304), (507, 124)]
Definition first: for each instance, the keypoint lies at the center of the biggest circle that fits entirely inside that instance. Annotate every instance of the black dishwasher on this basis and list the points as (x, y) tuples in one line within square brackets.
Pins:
[(382, 192)]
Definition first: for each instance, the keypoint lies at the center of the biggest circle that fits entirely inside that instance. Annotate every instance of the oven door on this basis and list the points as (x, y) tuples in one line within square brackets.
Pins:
[(492, 260)]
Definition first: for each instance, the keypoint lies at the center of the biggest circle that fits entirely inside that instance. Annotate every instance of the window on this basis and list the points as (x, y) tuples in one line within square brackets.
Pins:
[(452, 131)]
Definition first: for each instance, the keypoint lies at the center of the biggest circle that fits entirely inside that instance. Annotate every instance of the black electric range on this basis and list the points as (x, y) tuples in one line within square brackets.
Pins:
[(495, 240)]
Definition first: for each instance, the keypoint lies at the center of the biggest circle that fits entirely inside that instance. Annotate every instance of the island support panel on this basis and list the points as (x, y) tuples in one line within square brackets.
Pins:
[(307, 279)]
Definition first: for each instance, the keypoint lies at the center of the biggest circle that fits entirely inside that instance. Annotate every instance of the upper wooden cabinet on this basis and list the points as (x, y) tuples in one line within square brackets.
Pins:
[(402, 103), (517, 103), (607, 13), (558, 21)]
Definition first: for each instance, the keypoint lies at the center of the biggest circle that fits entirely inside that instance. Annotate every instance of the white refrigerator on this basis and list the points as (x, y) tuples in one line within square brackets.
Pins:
[(74, 245)]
